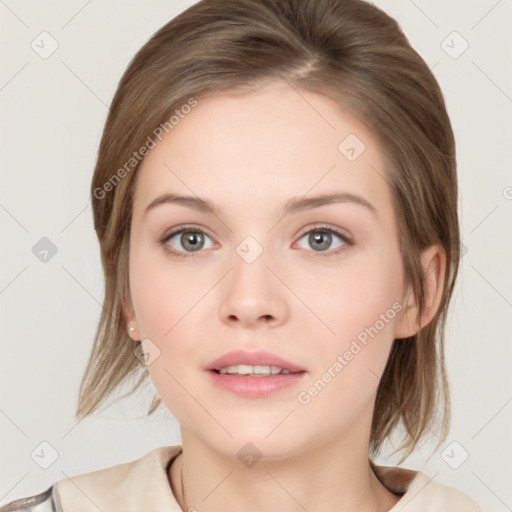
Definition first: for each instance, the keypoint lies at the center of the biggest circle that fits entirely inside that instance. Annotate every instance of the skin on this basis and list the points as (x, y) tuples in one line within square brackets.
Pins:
[(250, 153)]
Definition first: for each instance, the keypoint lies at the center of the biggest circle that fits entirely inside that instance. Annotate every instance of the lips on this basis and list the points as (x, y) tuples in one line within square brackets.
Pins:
[(260, 358)]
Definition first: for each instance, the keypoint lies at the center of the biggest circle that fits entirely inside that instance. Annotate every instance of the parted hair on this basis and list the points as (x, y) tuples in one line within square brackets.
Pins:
[(356, 54)]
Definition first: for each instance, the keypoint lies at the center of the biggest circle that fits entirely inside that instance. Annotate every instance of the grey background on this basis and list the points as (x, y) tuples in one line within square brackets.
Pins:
[(53, 110)]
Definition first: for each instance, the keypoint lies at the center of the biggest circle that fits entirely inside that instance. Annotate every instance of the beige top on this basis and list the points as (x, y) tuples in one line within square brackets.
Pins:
[(142, 485)]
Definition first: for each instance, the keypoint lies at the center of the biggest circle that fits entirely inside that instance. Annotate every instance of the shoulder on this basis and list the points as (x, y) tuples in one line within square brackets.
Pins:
[(47, 501), (438, 496), (139, 484), (420, 493)]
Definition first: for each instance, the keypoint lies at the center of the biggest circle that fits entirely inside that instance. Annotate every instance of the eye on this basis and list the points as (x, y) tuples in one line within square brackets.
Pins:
[(191, 239), (321, 239)]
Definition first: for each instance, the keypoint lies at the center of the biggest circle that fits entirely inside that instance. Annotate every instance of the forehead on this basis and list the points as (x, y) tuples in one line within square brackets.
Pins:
[(264, 147)]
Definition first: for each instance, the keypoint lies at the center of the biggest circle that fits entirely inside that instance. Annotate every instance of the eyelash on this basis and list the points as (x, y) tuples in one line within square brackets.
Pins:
[(320, 228)]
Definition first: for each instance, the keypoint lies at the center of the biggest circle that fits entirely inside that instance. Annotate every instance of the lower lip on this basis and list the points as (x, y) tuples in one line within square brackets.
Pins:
[(255, 387)]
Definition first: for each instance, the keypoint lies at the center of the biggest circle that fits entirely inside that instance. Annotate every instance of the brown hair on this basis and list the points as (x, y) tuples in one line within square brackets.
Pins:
[(357, 54)]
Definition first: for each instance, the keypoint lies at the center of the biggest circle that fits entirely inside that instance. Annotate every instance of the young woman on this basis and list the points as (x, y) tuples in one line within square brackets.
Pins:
[(275, 199)]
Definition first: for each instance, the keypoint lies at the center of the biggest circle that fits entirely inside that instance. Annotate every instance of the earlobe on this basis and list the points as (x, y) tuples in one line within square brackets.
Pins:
[(132, 331), (405, 325), (131, 323), (433, 262)]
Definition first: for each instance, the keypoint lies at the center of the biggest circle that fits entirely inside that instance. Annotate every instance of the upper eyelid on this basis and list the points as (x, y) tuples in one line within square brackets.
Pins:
[(188, 227), (322, 227)]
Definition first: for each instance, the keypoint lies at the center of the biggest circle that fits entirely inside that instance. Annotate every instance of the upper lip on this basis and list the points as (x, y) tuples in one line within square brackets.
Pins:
[(260, 358)]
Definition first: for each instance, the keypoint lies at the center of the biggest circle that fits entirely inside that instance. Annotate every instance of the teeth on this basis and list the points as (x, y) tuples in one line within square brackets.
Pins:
[(246, 369)]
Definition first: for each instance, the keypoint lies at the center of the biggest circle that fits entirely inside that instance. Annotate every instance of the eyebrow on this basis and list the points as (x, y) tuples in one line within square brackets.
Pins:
[(293, 205)]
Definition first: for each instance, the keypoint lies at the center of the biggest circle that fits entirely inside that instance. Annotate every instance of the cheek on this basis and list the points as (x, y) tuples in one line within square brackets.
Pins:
[(165, 300), (156, 305), (161, 293), (361, 307), (169, 303), (354, 297)]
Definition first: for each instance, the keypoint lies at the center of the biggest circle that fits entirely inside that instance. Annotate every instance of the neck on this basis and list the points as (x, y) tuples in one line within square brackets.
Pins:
[(314, 481)]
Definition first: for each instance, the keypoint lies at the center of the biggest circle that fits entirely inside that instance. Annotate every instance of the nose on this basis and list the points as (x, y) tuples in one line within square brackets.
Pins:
[(252, 295)]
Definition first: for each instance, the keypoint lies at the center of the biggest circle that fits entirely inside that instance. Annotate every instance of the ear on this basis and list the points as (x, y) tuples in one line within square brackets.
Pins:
[(433, 261), (130, 320)]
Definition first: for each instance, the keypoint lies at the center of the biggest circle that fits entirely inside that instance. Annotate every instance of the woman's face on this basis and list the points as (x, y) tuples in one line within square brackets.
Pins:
[(262, 278)]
